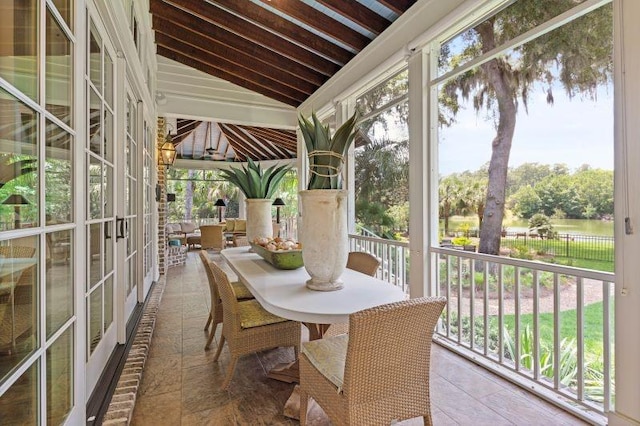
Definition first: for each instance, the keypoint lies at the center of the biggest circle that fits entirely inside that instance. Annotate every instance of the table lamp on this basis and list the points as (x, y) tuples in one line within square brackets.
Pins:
[(220, 204), (16, 200), (278, 203)]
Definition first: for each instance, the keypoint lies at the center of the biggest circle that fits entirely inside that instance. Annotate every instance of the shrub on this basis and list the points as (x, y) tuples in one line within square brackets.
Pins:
[(461, 241)]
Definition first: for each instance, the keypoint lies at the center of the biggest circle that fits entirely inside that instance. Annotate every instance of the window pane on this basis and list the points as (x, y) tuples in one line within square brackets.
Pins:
[(95, 253), (108, 247), (58, 176), (108, 79), (95, 188), (19, 45), (95, 319), (20, 402), (95, 58), (59, 280), (108, 302), (18, 301), (18, 162), (60, 378), (384, 94), (65, 7), (95, 123), (59, 71)]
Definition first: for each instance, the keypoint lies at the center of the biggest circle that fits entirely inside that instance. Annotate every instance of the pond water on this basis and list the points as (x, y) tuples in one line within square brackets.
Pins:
[(562, 226)]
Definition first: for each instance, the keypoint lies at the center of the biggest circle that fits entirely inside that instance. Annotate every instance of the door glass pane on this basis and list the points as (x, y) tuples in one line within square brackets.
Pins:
[(60, 378), (131, 236), (58, 177), (18, 301), (108, 247), (20, 402), (95, 124), (132, 274), (95, 188), (108, 302), (95, 58), (108, 136), (131, 197), (108, 191), (95, 318), (19, 53), (18, 163), (59, 280), (95, 253), (59, 87), (108, 79), (65, 7)]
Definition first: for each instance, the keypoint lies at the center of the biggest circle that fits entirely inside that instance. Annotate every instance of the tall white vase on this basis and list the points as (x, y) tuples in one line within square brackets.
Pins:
[(258, 218), (324, 237)]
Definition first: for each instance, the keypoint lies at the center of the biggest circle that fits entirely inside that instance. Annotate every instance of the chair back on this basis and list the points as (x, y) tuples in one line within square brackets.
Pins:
[(212, 236), (363, 262), (213, 288), (230, 311), (389, 349), (240, 240)]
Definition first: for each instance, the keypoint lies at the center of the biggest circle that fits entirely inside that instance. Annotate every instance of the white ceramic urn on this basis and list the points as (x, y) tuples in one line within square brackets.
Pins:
[(259, 222), (324, 237)]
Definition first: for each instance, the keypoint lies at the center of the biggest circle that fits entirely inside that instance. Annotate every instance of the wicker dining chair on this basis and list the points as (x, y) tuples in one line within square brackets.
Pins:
[(212, 237), (247, 327), (379, 372), (215, 312), (363, 262)]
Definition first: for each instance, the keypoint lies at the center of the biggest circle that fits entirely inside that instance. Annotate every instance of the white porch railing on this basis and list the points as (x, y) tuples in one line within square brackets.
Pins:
[(393, 255), (548, 327)]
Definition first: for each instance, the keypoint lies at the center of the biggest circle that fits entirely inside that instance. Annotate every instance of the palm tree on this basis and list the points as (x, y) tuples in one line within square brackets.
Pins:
[(449, 191)]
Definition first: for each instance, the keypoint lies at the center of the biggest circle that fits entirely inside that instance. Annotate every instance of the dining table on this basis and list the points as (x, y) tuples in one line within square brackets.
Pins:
[(284, 293)]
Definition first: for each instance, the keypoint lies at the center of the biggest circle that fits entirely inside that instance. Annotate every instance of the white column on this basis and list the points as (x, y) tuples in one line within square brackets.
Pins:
[(242, 208), (423, 174), (627, 205)]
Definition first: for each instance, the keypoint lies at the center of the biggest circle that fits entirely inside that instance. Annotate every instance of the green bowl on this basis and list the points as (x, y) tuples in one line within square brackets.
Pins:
[(289, 259)]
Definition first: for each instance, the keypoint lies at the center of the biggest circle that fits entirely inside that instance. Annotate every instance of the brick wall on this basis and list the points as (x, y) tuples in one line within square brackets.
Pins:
[(162, 204)]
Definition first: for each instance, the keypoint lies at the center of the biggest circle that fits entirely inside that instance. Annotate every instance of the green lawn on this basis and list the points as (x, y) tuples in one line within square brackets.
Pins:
[(592, 326)]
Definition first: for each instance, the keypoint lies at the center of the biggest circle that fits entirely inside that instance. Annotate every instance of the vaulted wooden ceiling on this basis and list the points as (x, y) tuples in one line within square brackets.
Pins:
[(283, 49)]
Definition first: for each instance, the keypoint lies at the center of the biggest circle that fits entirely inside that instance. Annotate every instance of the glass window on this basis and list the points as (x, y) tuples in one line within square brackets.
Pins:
[(95, 319), (60, 378), (20, 402), (95, 58), (383, 95), (59, 72), (18, 165), (65, 7), (18, 301), (58, 176), (59, 289), (19, 45)]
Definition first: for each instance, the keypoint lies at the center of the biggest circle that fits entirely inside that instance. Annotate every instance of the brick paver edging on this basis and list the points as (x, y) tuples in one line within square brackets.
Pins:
[(124, 398)]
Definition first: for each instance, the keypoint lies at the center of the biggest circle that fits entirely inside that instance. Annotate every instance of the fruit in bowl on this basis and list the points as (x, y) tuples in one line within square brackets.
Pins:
[(277, 244), (282, 254)]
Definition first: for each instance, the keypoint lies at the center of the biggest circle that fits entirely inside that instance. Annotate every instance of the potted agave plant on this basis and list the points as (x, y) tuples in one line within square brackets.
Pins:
[(258, 186), (324, 228)]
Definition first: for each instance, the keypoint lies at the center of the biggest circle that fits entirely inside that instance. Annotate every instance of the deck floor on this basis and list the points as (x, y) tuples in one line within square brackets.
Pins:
[(180, 383)]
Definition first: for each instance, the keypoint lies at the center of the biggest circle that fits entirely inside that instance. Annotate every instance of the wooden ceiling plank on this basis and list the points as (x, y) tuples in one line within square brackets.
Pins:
[(273, 151), (206, 68), (281, 152), (257, 147), (256, 34), (321, 22), (398, 6), (240, 144), (274, 135), (287, 29), (283, 143), (229, 40), (269, 82), (359, 14)]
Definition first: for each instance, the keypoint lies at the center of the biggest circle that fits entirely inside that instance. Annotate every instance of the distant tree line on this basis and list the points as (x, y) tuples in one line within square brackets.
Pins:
[(532, 188)]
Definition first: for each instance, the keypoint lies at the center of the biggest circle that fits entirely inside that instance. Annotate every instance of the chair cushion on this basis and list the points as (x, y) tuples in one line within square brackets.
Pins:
[(241, 291), (252, 314), (187, 227), (328, 356), (173, 228), (230, 225), (241, 225)]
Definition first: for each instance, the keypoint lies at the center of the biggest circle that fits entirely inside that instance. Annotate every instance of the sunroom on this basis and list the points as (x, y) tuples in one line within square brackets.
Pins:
[(91, 90)]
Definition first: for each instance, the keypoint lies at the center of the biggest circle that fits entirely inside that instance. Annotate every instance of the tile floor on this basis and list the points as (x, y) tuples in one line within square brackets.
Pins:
[(180, 383)]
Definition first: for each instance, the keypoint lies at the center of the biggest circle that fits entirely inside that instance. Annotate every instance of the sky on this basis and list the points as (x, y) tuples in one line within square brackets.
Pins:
[(571, 131)]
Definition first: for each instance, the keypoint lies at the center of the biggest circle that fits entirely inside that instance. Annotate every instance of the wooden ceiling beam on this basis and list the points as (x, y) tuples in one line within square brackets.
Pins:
[(288, 29), (256, 34), (231, 41), (272, 146), (288, 143), (359, 14), (321, 22), (206, 68), (227, 59), (262, 150), (240, 145), (398, 6)]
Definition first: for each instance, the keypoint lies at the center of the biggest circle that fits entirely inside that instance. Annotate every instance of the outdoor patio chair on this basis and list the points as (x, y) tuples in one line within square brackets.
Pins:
[(215, 312), (248, 328), (212, 237), (240, 241), (379, 372), (362, 262)]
